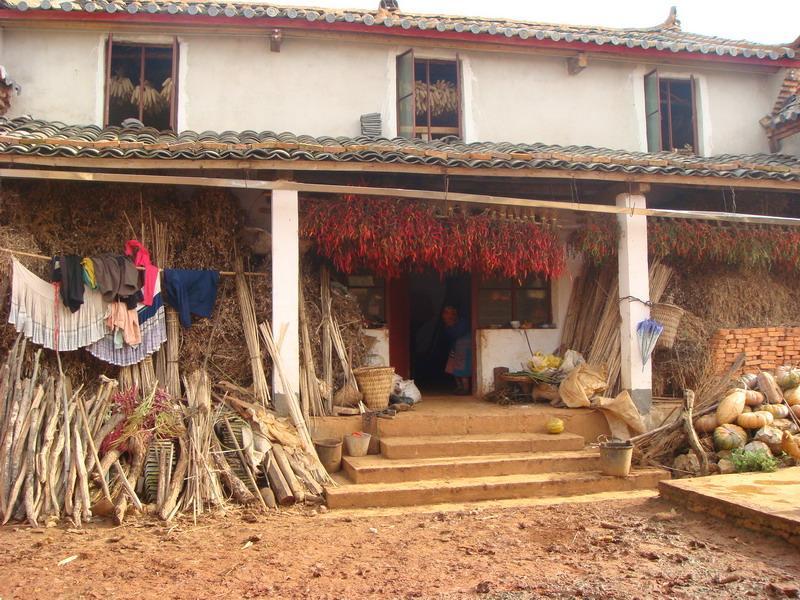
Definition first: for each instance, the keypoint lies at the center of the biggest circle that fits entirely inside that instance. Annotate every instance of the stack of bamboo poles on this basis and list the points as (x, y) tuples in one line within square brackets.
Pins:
[(48, 442), (250, 326)]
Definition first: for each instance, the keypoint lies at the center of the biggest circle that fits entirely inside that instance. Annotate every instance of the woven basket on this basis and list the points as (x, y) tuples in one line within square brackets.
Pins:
[(376, 385), (669, 316)]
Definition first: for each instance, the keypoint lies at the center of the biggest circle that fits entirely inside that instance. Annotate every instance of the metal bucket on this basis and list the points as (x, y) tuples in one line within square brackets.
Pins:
[(330, 454), (615, 458)]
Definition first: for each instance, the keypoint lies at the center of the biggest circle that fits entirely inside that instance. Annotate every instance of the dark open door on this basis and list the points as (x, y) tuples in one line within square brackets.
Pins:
[(399, 317)]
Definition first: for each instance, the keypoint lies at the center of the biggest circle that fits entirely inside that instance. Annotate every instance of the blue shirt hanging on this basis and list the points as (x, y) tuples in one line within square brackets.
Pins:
[(191, 292)]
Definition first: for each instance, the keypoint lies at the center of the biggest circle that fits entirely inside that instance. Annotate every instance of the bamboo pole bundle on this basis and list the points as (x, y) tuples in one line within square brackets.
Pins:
[(172, 352), (312, 399), (296, 416), (327, 341), (250, 326)]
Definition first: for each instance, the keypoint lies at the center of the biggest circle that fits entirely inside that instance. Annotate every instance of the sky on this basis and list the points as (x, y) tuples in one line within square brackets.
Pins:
[(764, 21)]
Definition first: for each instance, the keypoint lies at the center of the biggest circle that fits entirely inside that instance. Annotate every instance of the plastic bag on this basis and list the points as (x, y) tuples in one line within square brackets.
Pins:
[(581, 384), (622, 415)]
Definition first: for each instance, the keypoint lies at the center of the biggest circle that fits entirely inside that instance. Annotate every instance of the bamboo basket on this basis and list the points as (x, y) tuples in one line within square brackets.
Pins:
[(669, 316), (376, 385)]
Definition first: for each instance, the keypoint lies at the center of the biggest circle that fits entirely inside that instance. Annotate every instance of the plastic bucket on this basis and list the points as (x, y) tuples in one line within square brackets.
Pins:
[(615, 458), (357, 444), (330, 454)]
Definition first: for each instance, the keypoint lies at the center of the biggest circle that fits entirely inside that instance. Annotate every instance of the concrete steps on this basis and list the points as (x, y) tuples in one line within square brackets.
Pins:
[(437, 446), (473, 489), (376, 469)]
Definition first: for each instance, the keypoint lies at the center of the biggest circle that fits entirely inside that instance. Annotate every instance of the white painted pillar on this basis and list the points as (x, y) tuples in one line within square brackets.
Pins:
[(634, 281), (286, 292)]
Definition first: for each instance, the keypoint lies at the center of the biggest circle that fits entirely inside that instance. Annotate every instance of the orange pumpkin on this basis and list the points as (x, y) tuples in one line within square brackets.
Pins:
[(754, 420), (779, 411), (753, 398), (706, 423)]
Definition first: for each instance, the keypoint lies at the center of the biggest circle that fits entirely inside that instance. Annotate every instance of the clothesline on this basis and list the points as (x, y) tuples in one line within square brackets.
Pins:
[(43, 257)]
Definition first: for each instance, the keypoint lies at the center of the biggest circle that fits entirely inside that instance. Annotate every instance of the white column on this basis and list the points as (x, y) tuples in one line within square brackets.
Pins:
[(286, 292), (634, 281)]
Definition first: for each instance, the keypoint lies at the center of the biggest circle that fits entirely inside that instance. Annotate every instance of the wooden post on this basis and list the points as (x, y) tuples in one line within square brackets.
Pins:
[(283, 463), (277, 482)]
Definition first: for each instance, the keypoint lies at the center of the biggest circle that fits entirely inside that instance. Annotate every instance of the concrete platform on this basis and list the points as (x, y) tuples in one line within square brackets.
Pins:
[(433, 446), (767, 502), (435, 491)]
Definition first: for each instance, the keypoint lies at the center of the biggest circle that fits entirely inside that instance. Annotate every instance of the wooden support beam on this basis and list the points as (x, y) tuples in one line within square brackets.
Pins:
[(321, 188)]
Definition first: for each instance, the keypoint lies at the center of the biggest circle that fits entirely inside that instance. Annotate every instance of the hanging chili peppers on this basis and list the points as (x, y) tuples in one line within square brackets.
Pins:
[(393, 236)]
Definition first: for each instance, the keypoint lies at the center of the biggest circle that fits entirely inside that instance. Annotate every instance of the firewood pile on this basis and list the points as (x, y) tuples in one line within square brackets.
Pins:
[(71, 452)]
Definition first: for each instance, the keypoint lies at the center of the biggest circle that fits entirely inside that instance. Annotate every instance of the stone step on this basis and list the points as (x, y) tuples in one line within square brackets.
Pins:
[(514, 419), (378, 469), (474, 489), (477, 444)]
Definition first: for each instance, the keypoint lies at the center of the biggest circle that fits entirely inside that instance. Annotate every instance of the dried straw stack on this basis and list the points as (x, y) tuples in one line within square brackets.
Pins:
[(250, 326)]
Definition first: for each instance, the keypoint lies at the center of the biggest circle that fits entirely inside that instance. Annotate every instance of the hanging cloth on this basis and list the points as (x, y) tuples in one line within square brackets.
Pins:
[(124, 325), (116, 276), (191, 292), (141, 258), (36, 313), (153, 330), (67, 272), (88, 273)]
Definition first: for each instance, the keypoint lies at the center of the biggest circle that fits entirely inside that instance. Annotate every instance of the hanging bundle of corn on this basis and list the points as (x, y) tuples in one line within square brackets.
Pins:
[(166, 90), (441, 96), (120, 88), (146, 94)]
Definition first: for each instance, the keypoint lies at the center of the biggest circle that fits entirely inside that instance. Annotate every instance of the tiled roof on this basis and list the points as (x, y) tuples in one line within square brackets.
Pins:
[(24, 136), (787, 105), (667, 36)]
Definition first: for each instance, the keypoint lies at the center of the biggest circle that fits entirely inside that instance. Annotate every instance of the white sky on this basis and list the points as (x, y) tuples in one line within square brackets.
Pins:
[(766, 21)]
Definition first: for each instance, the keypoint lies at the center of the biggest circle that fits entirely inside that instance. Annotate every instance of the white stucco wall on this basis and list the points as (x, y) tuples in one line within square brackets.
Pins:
[(311, 87), (321, 87), (60, 73), (378, 354)]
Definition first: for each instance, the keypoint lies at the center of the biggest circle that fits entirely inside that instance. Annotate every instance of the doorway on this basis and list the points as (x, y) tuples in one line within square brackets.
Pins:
[(430, 341)]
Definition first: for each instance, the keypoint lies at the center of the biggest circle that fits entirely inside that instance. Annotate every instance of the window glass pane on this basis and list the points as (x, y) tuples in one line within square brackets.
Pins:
[(132, 96), (496, 282), (405, 74), (405, 117), (533, 306), (494, 307)]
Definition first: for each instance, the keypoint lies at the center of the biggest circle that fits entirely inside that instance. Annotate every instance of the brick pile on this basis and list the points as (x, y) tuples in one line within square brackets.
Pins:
[(766, 347)]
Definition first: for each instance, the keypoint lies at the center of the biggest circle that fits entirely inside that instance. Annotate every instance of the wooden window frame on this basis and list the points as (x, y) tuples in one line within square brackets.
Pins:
[(513, 288), (428, 129), (173, 105), (667, 145)]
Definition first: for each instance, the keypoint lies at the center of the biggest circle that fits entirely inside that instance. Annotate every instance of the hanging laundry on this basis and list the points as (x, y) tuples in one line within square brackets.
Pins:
[(37, 312), (88, 273), (67, 272), (191, 292), (124, 325), (153, 330), (141, 258), (116, 276)]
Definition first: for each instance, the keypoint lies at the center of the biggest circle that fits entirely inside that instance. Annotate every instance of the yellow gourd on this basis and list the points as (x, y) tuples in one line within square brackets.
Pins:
[(779, 411), (753, 398), (706, 423), (555, 426), (792, 396), (731, 407), (754, 420)]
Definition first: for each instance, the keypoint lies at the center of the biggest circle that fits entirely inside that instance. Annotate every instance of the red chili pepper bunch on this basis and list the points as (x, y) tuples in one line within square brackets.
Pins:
[(698, 242), (392, 236), (597, 241)]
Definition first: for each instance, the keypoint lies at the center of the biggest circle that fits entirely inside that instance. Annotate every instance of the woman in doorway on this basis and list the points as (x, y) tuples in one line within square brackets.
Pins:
[(459, 365)]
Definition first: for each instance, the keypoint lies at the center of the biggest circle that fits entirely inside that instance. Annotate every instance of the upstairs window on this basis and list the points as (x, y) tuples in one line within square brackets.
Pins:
[(501, 301), (671, 113), (140, 84), (428, 98)]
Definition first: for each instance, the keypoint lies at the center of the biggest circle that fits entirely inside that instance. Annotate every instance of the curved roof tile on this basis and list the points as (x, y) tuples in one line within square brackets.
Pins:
[(25, 136), (667, 36)]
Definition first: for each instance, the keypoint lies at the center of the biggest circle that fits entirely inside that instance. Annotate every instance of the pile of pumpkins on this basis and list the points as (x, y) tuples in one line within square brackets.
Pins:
[(745, 418)]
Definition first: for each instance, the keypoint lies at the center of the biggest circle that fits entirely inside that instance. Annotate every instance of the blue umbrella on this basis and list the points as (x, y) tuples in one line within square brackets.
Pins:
[(648, 332)]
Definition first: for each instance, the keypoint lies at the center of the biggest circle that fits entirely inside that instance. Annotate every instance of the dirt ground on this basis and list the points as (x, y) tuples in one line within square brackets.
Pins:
[(636, 548)]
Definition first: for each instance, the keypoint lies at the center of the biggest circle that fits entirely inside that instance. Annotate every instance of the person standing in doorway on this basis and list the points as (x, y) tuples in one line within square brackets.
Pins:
[(459, 364)]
